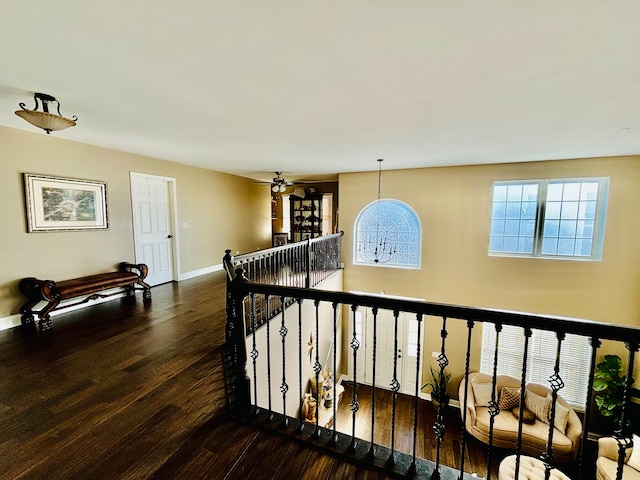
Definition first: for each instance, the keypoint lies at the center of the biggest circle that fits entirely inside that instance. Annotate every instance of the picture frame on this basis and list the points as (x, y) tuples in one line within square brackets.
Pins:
[(280, 239), (56, 204)]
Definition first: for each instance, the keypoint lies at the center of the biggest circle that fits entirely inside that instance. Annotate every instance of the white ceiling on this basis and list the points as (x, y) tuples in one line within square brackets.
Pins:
[(320, 87)]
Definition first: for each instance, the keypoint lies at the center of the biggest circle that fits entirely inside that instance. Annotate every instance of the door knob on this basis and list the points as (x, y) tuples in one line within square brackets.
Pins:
[(169, 236)]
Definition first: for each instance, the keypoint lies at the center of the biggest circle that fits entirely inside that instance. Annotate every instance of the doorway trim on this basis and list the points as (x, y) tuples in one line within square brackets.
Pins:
[(173, 218)]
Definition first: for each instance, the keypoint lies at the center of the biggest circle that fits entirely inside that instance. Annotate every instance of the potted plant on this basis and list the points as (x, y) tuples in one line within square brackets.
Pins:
[(437, 384), (609, 383)]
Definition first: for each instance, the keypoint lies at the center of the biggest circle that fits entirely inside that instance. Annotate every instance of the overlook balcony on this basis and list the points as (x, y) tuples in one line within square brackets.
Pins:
[(283, 337)]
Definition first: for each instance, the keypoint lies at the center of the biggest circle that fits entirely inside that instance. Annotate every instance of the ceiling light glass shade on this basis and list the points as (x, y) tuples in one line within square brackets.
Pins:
[(282, 189), (49, 122), (275, 189)]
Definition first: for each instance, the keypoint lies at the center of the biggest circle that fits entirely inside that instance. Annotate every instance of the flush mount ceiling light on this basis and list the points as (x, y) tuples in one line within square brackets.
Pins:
[(279, 184), (49, 122)]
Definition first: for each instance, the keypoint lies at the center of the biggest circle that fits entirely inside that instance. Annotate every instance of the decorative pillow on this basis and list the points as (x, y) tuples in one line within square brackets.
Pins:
[(562, 414), (634, 459), (509, 398), (482, 393), (527, 415), (538, 405)]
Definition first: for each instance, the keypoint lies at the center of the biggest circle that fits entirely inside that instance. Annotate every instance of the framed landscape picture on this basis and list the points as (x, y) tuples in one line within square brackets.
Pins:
[(61, 204)]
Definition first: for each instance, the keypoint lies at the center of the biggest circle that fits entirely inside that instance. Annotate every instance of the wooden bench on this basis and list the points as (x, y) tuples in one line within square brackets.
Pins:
[(126, 278)]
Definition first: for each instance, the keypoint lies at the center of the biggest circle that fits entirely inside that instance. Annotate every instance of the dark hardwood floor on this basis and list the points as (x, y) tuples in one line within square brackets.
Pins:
[(122, 390), (426, 445)]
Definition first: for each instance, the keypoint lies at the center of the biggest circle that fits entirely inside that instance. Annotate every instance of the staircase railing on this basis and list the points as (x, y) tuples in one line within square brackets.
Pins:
[(281, 382), (302, 264)]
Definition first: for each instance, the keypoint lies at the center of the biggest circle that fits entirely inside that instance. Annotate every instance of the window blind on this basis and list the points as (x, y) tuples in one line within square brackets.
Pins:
[(575, 358)]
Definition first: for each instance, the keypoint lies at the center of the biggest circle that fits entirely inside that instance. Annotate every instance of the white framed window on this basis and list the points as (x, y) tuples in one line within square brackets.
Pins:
[(575, 358), (557, 218), (387, 233)]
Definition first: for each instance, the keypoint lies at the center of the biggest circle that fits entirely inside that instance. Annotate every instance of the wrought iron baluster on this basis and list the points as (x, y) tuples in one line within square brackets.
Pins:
[(313, 275), (284, 388), (288, 268), (557, 384), (251, 271), (354, 405), (633, 348), (523, 384), (300, 392), (254, 353), (493, 412), (317, 368), (467, 363), (295, 268), (275, 268), (595, 344), (270, 415), (308, 264), (439, 427), (413, 466), (624, 443), (372, 448), (334, 436), (622, 433), (395, 387)]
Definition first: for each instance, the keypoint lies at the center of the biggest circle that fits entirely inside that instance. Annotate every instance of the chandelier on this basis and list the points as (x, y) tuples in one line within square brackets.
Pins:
[(374, 245), (44, 119)]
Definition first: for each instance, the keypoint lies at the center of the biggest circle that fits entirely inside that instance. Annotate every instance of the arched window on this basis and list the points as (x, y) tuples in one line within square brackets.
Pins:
[(387, 233)]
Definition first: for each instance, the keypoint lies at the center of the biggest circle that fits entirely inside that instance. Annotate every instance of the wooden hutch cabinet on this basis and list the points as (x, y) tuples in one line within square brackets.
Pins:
[(306, 217)]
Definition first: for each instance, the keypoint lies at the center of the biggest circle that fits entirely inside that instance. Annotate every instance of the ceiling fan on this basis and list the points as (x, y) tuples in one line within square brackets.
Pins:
[(279, 184)]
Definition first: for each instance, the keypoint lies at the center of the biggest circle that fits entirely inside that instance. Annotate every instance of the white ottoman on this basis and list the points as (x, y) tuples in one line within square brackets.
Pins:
[(530, 469)]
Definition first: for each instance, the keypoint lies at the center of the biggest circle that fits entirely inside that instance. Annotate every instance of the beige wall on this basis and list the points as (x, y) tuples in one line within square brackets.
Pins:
[(454, 206), (222, 211)]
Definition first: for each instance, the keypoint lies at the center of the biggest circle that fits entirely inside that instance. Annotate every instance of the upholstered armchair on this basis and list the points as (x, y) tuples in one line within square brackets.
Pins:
[(607, 462), (535, 434)]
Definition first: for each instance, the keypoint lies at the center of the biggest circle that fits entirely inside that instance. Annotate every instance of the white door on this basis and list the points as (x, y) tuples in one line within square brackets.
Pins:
[(405, 355), (152, 226), (387, 356)]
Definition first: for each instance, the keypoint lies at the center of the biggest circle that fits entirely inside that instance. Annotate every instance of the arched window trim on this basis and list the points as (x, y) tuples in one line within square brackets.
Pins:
[(409, 210)]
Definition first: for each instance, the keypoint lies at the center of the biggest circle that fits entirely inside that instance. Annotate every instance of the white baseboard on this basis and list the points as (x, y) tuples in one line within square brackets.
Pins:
[(10, 322), (14, 320), (199, 272)]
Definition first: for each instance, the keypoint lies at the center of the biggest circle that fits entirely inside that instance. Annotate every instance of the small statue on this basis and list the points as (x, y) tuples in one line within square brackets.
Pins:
[(309, 408)]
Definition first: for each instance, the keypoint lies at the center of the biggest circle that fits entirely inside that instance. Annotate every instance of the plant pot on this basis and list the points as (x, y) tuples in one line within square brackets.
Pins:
[(436, 403)]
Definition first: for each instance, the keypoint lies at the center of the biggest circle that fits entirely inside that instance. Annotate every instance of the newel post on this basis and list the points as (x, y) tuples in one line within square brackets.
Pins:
[(238, 383)]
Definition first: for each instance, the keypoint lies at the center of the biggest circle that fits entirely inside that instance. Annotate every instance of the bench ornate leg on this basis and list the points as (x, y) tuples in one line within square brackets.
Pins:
[(45, 323), (45, 320), (27, 320), (146, 291), (26, 311)]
